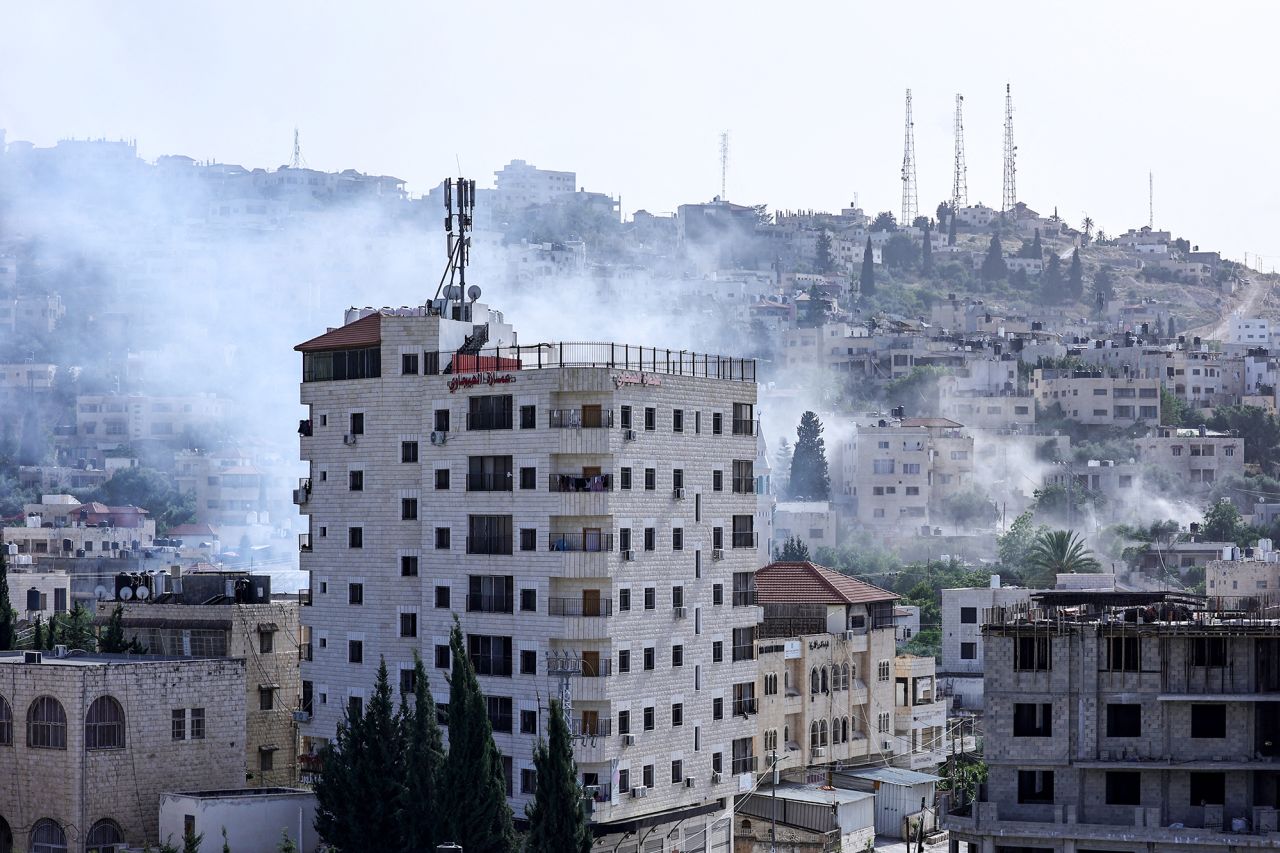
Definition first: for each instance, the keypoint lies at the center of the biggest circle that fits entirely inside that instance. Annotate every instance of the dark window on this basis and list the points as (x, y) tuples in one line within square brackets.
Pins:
[(743, 419), (648, 719), (355, 651), (649, 657), (408, 624), (357, 423), (1124, 654), (1032, 654), (624, 780), (103, 725), (677, 655), (528, 478), (624, 479), (529, 600), (528, 539), (968, 615), (1124, 720), (717, 539), (677, 479), (968, 651), (355, 481), (624, 414), (744, 535), (717, 651), (677, 420), (355, 707), (1209, 651), (409, 363), (624, 660), (624, 722), (355, 537), (442, 420), (431, 364), (489, 474), (717, 481), (646, 775), (650, 479), (197, 723), (677, 772), (650, 598), (624, 600), (1032, 720), (624, 539), (717, 423), (408, 509), (444, 658), (650, 419), (442, 597), (528, 417), (408, 567), (529, 722), (491, 411), (1035, 786), (650, 538), (442, 538), (489, 534), (1124, 788), (1209, 721), (408, 451), (717, 593), (178, 723), (528, 662), (442, 478), (490, 593), (355, 593), (744, 477), (1208, 789), (490, 655), (499, 708), (717, 709), (408, 681), (528, 780)]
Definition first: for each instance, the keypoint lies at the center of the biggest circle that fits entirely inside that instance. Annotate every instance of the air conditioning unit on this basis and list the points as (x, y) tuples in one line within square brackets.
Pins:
[(628, 555), (349, 439), (639, 791), (32, 657), (819, 752), (679, 612), (717, 553), (59, 651), (849, 635), (628, 740), (629, 435), (688, 781), (439, 437), (678, 494), (716, 777), (886, 746)]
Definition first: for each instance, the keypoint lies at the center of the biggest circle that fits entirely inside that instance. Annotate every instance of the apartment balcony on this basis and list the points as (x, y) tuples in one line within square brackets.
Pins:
[(742, 426), (582, 495), (304, 597), (746, 707), (584, 418), (304, 428), (304, 542), (492, 545), (744, 598), (490, 481), (302, 494), (745, 764), (585, 440), (584, 619)]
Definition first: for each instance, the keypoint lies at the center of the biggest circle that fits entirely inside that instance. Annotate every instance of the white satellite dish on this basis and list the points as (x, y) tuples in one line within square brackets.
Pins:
[(125, 593), (473, 292), (100, 592), (142, 593)]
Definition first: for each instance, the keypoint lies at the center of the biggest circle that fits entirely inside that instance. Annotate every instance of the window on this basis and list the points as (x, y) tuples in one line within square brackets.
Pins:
[(624, 414), (442, 479), (528, 478), (744, 643), (1035, 786), (650, 419), (717, 594), (490, 655), (677, 772), (104, 724), (528, 417), (624, 660), (1124, 788), (104, 837), (717, 423), (442, 597), (6, 723), (1124, 720), (355, 651), (442, 420), (178, 720), (355, 481), (489, 534), (677, 420), (499, 708), (357, 423), (650, 598), (624, 479), (408, 567), (624, 722), (490, 593), (882, 466), (444, 658), (46, 724), (968, 615), (1032, 654), (717, 539), (408, 451), (1124, 654), (408, 624), (650, 539), (266, 642), (677, 655), (442, 538), (677, 714), (649, 658), (528, 662), (717, 651), (1032, 720), (355, 537), (650, 479), (528, 539), (491, 411), (266, 759), (646, 775), (48, 837), (968, 651), (1208, 789), (355, 593), (624, 600), (489, 473), (409, 363), (266, 698), (1209, 651), (717, 481), (1208, 721), (882, 671), (717, 708), (529, 600), (647, 719)]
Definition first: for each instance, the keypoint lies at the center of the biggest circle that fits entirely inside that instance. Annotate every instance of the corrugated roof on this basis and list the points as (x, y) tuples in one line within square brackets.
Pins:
[(812, 794), (365, 332), (892, 775), (809, 583)]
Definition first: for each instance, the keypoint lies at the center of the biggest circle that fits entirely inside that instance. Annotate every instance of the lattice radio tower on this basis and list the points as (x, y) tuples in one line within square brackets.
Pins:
[(1010, 197), (908, 170), (297, 162), (1151, 201), (960, 182), (724, 164)]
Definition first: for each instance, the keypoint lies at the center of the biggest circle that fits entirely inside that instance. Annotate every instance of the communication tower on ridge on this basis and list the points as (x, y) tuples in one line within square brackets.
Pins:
[(908, 170), (1010, 197), (960, 180)]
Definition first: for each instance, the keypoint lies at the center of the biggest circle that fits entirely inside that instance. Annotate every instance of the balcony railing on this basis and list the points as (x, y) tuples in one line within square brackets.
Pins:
[(634, 361), (500, 722), (574, 483), (744, 485), (578, 607), (592, 727), (489, 545), (747, 652), (304, 428), (745, 764), (580, 542), (744, 539), (600, 669), (744, 598), (744, 707), (601, 793), (304, 651), (496, 481), (304, 597), (487, 420), (302, 494), (490, 604), (580, 419), (491, 665), (304, 541), (741, 426)]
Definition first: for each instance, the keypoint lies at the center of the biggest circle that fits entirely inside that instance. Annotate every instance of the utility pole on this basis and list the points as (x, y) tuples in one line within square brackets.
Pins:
[(1010, 196), (908, 170), (773, 806), (960, 179)]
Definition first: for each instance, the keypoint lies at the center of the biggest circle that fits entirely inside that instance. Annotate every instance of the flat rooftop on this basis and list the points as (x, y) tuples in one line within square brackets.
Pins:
[(229, 793), (78, 658)]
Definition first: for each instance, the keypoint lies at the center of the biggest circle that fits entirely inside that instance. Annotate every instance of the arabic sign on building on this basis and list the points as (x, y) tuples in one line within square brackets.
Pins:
[(474, 380), (620, 379)]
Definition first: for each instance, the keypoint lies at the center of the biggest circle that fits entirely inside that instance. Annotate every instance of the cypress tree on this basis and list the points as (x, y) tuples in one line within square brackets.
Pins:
[(338, 799), (926, 254), (7, 616), (37, 639), (809, 478), (867, 281), (1037, 251), (1051, 279), (1075, 276), (993, 266), (112, 639), (557, 821), (1172, 329), (418, 803), (473, 801), (951, 229)]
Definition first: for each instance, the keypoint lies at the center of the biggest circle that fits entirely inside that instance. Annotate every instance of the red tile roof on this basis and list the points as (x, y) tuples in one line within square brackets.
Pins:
[(365, 332), (809, 583)]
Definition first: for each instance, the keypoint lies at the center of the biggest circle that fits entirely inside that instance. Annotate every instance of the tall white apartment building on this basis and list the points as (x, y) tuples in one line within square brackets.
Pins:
[(588, 513)]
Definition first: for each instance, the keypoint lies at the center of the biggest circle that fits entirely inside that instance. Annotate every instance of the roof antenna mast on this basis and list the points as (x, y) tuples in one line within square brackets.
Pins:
[(459, 207), (724, 164), (909, 199), (960, 180), (1010, 197)]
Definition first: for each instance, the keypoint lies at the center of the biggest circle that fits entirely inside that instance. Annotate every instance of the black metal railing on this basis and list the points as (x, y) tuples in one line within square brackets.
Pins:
[(744, 707), (744, 597), (745, 764), (589, 727), (742, 426), (581, 419), (304, 541), (580, 607), (744, 539), (576, 483), (580, 542), (744, 485), (490, 604), (492, 481), (621, 357), (488, 544), (745, 652)]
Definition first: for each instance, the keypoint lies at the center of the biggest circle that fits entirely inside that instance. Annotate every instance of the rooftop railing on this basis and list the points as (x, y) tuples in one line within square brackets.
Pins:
[(623, 357)]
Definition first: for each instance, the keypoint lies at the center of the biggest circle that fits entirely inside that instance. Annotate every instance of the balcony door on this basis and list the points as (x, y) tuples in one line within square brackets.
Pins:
[(592, 540), (591, 665), (591, 417), (591, 602)]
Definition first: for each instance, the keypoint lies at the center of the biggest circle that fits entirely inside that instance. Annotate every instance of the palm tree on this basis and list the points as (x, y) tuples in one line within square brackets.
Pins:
[(1088, 229), (1060, 552)]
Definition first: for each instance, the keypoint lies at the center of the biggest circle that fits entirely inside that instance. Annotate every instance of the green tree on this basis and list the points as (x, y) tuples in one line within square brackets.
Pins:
[(1104, 284), (1222, 522), (286, 844), (899, 252), (884, 221), (76, 630), (1051, 279), (809, 478), (557, 820), (151, 490), (418, 809), (815, 310), (1059, 552), (1014, 546), (191, 841), (951, 229), (867, 281), (1174, 411), (926, 254), (1075, 276), (1087, 227), (969, 508), (474, 794), (782, 466), (112, 639), (38, 637), (826, 261), (7, 615), (1260, 430), (1172, 332), (794, 550), (993, 266)]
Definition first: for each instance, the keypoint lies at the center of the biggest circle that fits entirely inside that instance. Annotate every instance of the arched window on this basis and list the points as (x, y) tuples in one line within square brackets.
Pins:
[(6, 728), (844, 729), (853, 669), (105, 837), (46, 725), (104, 724), (822, 733), (47, 836), (813, 680), (786, 735), (824, 680), (814, 743), (844, 677)]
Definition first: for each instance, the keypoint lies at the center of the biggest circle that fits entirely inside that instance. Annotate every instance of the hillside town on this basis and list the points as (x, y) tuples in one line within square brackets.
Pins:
[(948, 528)]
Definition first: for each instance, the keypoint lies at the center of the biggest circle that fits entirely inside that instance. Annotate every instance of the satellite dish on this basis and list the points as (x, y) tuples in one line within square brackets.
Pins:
[(473, 292), (142, 593), (100, 593), (455, 291), (125, 593)]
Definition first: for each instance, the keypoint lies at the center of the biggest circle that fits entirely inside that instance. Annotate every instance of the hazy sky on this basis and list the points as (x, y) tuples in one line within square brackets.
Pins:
[(633, 97)]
